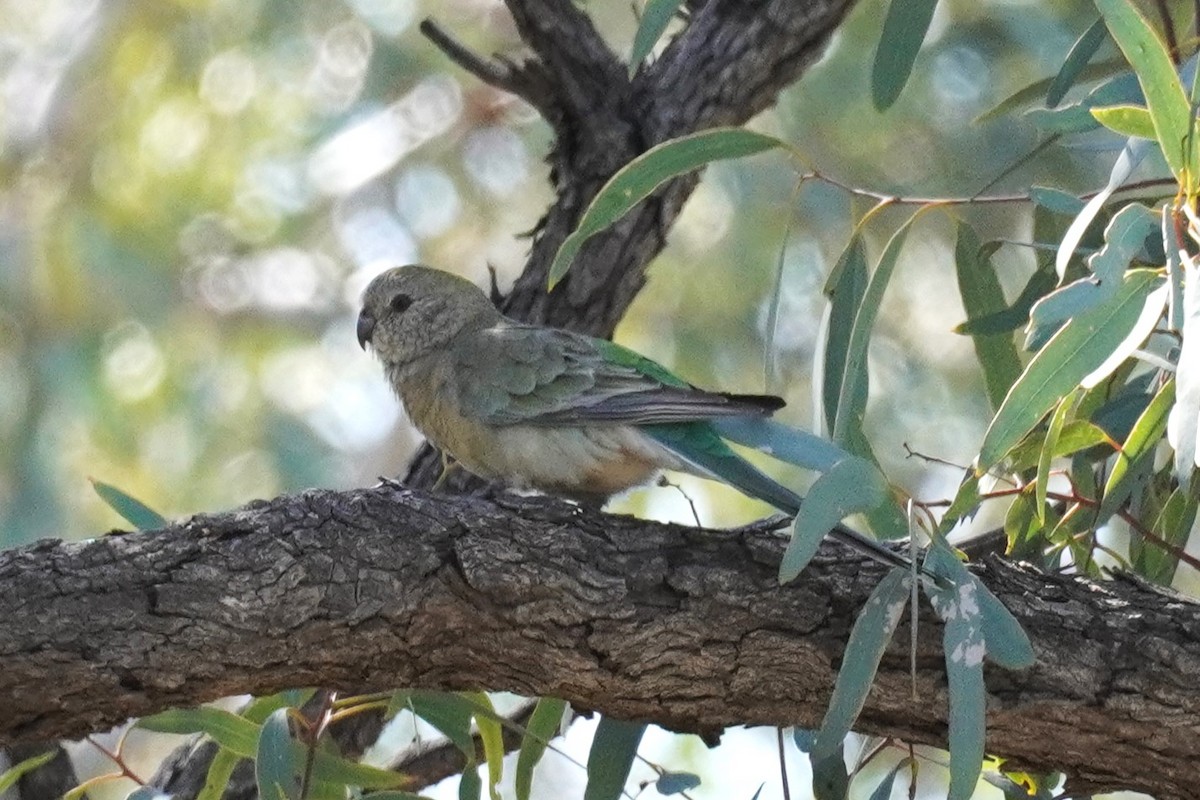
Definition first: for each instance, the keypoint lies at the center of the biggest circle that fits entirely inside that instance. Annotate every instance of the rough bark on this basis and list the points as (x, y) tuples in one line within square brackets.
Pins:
[(685, 627)]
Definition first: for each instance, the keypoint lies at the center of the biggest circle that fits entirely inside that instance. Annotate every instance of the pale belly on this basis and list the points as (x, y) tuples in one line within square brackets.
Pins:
[(585, 461)]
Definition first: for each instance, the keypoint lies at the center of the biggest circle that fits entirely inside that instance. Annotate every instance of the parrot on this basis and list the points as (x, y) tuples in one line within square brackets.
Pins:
[(551, 410)]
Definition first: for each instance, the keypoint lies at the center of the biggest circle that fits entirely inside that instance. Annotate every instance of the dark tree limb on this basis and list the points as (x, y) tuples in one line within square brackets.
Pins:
[(685, 627)]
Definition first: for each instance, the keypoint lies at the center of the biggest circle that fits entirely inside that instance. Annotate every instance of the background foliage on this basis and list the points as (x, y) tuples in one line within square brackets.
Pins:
[(194, 193)]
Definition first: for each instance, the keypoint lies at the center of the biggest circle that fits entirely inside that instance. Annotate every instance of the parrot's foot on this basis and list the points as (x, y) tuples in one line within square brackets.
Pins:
[(390, 483), (448, 467)]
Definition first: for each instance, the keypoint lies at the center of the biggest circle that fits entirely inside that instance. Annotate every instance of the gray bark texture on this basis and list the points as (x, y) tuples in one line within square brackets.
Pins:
[(685, 627)]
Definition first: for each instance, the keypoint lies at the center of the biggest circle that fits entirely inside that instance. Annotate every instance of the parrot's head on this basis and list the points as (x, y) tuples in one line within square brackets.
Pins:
[(408, 312)]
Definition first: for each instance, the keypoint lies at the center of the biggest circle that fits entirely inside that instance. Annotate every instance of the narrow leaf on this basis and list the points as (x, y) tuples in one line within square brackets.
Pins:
[(450, 714), (781, 441), (1126, 120), (1048, 446), (830, 779), (220, 770), (869, 638), (655, 17), (845, 288), (10, 776), (1165, 97), (640, 177), (492, 736), (904, 29), (1130, 156), (675, 782), (852, 398), (1076, 350), (231, 731), (851, 485), (964, 648), (1028, 94), (543, 726), (884, 790), (134, 511), (1174, 527), (275, 766), (613, 750), (1077, 58), (1139, 446), (982, 295)]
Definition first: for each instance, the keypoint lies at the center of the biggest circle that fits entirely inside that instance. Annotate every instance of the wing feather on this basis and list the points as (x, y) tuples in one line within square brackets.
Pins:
[(519, 374)]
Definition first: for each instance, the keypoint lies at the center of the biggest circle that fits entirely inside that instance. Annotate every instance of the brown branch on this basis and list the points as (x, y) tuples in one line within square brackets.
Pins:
[(685, 627)]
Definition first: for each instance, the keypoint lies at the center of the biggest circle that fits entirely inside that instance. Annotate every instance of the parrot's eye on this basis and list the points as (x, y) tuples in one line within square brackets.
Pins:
[(400, 303)]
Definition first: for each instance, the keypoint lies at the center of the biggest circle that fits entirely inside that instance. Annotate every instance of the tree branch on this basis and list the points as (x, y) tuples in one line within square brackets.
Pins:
[(685, 627)]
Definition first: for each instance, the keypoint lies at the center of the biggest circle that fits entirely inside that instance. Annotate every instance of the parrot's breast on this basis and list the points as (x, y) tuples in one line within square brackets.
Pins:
[(571, 460)]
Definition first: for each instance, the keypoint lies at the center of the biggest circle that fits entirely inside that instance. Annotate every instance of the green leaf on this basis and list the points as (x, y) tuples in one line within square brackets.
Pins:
[(830, 780), (392, 794), (852, 398), (1173, 526), (470, 787), (1139, 446), (1165, 96), (884, 790), (853, 484), (1073, 354), (1123, 239), (1131, 155), (330, 767), (964, 647), (450, 714), (982, 295), (1056, 200), (275, 764), (904, 29), (220, 770), (638, 179), (543, 726), (845, 288), (675, 782), (869, 638), (231, 731), (492, 736), (781, 441), (1017, 314), (1007, 643), (1126, 120), (611, 757), (966, 502), (1076, 435), (134, 511), (10, 776), (655, 17), (1042, 482), (1038, 89), (1077, 58)]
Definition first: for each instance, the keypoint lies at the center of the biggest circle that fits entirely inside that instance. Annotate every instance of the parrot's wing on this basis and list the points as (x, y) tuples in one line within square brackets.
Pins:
[(523, 374)]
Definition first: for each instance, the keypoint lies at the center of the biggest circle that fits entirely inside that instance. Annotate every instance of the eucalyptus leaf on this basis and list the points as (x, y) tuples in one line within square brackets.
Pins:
[(614, 747), (853, 484), (904, 29), (1074, 353), (638, 179)]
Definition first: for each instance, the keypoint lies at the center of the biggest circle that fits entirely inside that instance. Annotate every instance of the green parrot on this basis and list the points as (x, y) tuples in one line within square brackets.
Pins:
[(547, 409)]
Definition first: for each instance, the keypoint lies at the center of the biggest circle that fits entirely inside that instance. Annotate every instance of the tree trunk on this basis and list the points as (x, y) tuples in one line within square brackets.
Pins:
[(684, 627)]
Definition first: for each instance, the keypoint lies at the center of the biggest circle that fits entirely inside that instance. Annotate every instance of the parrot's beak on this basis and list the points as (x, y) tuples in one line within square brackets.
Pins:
[(366, 327)]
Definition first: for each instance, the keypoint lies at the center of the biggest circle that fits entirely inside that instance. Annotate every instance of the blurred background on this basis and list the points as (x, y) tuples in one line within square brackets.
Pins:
[(193, 194)]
